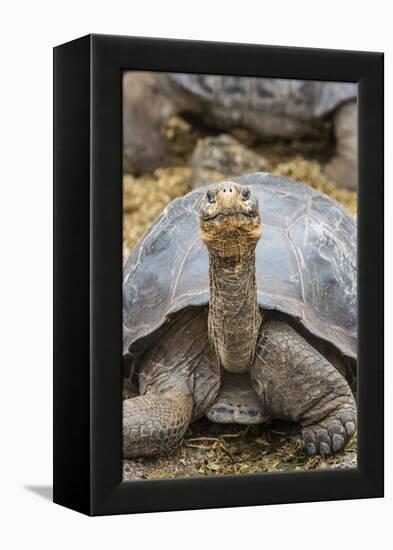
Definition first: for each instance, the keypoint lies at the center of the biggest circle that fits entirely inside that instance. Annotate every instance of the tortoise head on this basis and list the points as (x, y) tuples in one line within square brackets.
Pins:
[(230, 223)]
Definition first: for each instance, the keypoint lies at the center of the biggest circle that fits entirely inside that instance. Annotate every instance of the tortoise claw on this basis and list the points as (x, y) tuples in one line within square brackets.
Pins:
[(338, 442)]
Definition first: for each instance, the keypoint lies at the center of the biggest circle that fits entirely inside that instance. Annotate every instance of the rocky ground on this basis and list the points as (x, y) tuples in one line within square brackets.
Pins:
[(211, 449)]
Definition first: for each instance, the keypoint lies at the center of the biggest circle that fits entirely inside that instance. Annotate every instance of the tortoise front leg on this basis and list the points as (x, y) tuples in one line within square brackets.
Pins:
[(297, 383), (153, 424)]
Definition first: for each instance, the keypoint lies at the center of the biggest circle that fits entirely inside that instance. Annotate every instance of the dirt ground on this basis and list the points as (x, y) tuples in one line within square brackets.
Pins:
[(211, 449), (218, 449)]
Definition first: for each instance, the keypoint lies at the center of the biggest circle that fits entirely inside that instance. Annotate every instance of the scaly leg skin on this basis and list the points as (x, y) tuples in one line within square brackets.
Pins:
[(153, 424), (295, 382)]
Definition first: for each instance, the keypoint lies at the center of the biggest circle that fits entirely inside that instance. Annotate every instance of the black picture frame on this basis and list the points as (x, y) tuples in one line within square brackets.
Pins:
[(88, 274)]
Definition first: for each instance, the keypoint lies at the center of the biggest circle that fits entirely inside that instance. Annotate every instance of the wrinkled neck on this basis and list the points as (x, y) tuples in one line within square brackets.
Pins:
[(234, 315)]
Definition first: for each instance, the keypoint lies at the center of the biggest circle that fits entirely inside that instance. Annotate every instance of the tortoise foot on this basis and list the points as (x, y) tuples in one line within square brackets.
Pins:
[(331, 434), (153, 424)]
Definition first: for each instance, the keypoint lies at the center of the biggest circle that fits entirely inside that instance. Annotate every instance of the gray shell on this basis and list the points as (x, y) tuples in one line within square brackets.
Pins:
[(299, 99), (305, 263)]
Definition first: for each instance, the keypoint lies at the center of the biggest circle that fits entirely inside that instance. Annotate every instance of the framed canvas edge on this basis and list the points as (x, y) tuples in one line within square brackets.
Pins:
[(71, 275), (108, 494)]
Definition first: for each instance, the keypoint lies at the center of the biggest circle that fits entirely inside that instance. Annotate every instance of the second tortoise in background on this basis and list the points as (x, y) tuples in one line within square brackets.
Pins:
[(272, 108)]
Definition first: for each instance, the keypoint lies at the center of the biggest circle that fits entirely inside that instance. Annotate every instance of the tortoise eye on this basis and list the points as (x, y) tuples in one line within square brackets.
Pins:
[(246, 194), (210, 197)]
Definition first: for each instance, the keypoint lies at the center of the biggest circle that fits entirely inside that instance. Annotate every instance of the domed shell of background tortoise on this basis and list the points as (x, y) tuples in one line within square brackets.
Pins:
[(230, 95), (305, 264)]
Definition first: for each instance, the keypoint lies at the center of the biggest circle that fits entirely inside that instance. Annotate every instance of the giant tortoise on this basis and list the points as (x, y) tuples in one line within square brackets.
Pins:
[(239, 303), (269, 107)]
